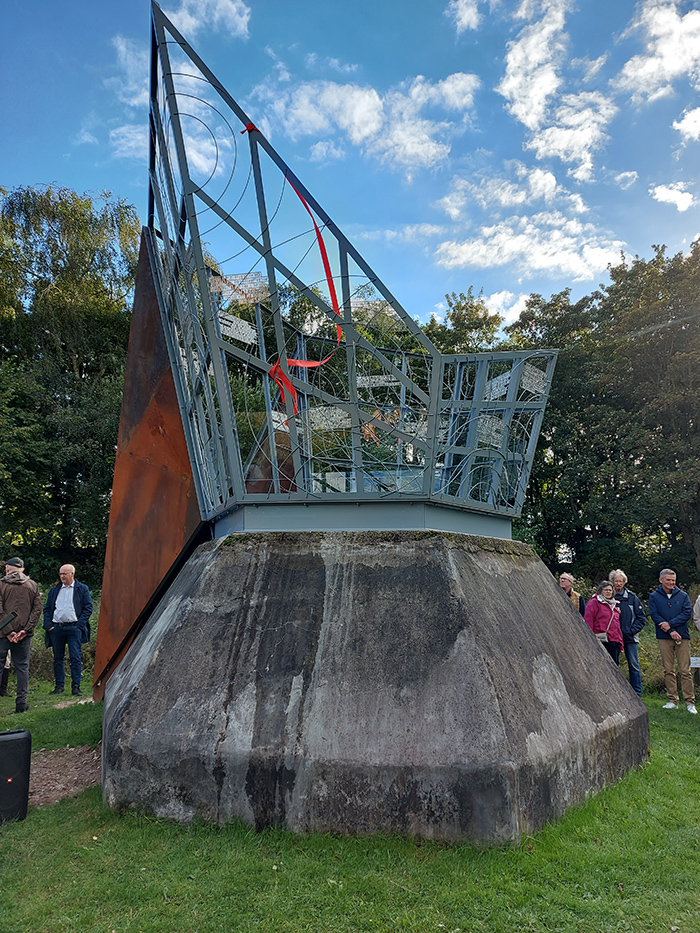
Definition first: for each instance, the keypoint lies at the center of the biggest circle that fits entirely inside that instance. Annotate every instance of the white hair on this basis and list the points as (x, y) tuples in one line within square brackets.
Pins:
[(617, 573)]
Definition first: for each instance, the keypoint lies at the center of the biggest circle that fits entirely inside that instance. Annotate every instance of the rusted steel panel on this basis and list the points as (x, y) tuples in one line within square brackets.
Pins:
[(154, 510)]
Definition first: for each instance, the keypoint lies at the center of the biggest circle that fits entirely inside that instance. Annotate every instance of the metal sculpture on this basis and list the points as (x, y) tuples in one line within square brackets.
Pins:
[(300, 377), (273, 381)]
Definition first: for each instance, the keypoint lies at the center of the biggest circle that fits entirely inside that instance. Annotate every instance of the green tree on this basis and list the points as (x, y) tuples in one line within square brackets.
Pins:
[(616, 478), (469, 327), (67, 265)]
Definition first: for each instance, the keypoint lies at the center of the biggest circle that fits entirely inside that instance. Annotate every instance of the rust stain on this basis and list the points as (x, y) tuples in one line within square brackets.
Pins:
[(154, 510)]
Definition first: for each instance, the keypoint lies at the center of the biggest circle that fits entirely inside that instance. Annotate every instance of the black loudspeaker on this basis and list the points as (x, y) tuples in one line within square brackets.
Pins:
[(15, 758)]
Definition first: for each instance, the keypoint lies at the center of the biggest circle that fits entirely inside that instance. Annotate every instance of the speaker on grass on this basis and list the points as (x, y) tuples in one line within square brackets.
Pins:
[(15, 756)]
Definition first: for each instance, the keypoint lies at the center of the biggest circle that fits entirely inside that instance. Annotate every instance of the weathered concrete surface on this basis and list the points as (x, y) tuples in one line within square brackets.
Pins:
[(413, 682)]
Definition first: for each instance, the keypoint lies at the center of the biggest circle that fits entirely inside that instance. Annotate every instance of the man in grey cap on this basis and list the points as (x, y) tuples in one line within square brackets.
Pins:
[(20, 595)]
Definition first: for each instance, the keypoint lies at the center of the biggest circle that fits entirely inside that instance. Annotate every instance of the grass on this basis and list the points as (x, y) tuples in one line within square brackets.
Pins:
[(625, 861)]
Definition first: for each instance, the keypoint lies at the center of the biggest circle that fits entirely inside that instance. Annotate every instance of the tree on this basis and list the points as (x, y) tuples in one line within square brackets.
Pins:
[(67, 266), (616, 478), (468, 327)]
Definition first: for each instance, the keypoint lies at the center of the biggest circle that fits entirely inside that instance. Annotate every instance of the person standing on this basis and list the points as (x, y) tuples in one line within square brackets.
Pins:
[(632, 621), (566, 582), (696, 613), (20, 594), (603, 618), (67, 622), (5, 676), (670, 610)]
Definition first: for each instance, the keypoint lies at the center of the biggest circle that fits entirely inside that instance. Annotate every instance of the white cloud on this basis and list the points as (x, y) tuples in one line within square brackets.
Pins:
[(529, 186), (626, 179), (85, 137), (393, 127), (546, 243), (672, 51), (532, 68), (464, 14), (576, 132), (689, 125), (590, 68), (414, 232), (130, 142), (324, 150), (675, 194), (134, 62), (193, 15), (509, 305), (571, 127)]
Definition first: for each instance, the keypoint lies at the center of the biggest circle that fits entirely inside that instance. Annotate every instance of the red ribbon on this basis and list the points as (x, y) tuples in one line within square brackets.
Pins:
[(276, 373)]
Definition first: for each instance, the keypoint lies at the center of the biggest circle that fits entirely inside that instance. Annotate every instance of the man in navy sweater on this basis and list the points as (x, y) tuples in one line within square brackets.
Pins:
[(67, 622), (670, 610)]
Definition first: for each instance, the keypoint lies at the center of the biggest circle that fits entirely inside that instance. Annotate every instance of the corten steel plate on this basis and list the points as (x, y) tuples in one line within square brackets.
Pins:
[(154, 511)]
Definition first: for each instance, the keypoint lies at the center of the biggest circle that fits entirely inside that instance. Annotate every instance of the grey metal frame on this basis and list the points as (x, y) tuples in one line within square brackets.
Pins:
[(386, 417)]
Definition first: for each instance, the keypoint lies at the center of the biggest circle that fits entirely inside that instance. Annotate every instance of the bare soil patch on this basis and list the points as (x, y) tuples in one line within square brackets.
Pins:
[(63, 772)]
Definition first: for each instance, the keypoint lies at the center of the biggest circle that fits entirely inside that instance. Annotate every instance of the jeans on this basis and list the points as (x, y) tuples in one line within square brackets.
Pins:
[(20, 659), (632, 655), (62, 635)]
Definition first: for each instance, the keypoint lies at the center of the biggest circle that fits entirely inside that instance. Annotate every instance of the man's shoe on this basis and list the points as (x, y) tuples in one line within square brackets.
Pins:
[(56, 690), (691, 708), (77, 692), (21, 708), (670, 705)]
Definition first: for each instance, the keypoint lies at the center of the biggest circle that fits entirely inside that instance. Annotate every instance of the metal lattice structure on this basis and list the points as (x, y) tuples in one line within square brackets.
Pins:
[(300, 377)]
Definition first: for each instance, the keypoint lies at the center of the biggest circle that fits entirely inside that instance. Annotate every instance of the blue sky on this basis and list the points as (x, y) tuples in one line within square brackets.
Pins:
[(515, 147)]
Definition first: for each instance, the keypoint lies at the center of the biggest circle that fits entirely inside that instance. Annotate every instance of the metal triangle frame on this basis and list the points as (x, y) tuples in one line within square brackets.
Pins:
[(300, 377)]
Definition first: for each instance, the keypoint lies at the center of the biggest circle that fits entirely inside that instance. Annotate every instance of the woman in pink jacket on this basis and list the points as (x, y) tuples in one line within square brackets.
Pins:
[(603, 615)]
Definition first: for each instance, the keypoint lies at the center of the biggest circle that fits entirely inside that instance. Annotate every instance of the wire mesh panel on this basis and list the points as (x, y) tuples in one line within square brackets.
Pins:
[(300, 376)]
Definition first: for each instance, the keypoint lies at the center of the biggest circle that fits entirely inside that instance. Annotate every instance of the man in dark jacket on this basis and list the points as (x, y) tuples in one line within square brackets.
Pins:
[(670, 610), (632, 621), (67, 622), (19, 594)]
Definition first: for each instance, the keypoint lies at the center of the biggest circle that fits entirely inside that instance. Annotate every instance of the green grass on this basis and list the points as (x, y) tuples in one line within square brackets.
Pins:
[(625, 861), (77, 724)]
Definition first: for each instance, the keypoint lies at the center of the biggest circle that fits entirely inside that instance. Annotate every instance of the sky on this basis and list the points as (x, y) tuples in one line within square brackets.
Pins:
[(511, 147)]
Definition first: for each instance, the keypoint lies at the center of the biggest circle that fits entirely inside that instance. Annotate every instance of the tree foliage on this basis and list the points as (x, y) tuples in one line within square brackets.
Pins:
[(67, 265), (468, 326), (616, 480)]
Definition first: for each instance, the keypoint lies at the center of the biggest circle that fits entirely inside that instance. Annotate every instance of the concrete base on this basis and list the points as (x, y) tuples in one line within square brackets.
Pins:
[(416, 682)]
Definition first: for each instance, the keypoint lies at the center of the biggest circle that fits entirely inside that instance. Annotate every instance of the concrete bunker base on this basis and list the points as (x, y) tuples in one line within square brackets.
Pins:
[(415, 682)]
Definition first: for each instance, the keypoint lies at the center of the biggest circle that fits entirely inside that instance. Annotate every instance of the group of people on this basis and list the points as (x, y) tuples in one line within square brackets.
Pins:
[(616, 616), (66, 624)]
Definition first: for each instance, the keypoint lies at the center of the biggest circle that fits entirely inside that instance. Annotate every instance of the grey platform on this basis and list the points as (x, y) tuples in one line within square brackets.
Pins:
[(424, 683)]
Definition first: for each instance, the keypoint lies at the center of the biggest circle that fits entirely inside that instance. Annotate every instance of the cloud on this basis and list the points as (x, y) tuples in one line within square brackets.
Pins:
[(194, 15), (85, 137), (546, 243), (464, 14), (673, 193), (529, 186), (672, 51), (325, 150), (576, 132), (590, 68), (394, 127), (131, 87), (532, 61), (130, 142), (509, 305), (626, 179), (689, 125)]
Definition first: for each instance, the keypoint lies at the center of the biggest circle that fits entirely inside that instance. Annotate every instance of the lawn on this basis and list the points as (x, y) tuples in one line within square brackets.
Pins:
[(626, 860)]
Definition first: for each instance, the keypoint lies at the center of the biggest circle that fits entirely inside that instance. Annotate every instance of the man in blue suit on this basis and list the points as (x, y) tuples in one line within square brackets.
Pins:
[(67, 622)]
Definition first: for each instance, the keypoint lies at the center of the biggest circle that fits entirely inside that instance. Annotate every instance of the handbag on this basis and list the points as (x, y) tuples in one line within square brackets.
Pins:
[(603, 636)]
